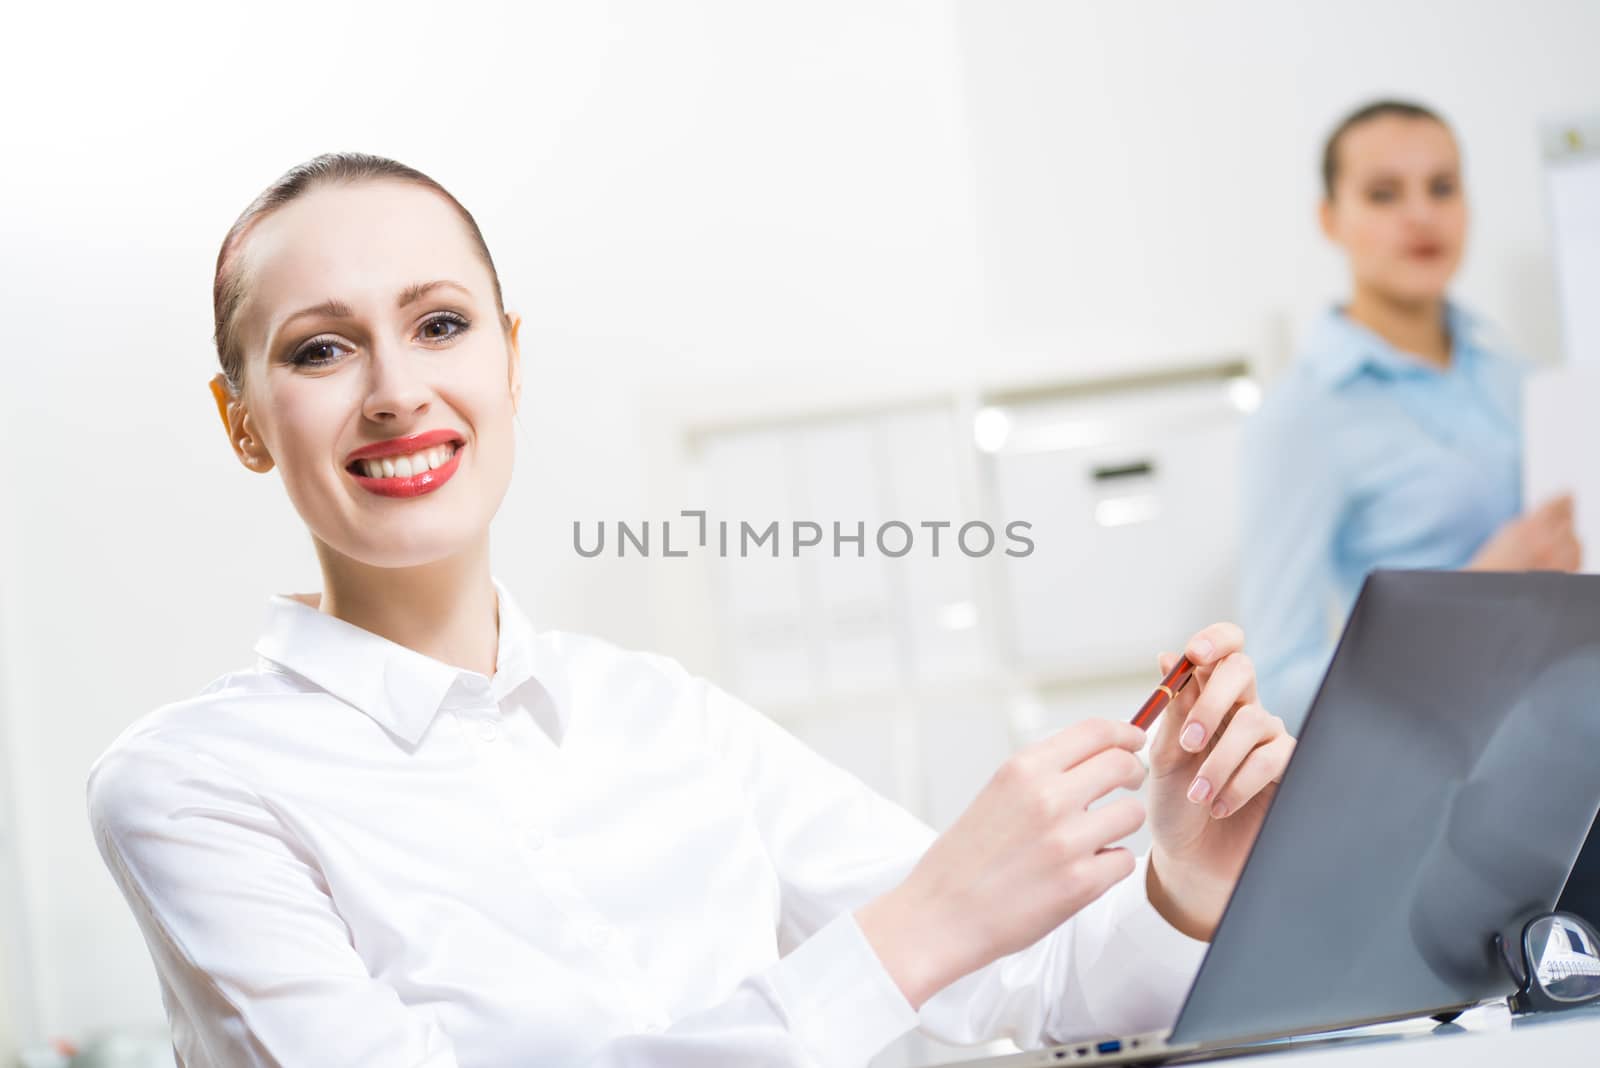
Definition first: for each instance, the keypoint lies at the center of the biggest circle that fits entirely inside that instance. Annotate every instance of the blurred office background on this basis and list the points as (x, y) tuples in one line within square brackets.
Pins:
[(859, 260)]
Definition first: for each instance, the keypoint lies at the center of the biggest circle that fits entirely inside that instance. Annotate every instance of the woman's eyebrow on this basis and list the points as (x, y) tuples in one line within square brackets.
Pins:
[(417, 290), (332, 309)]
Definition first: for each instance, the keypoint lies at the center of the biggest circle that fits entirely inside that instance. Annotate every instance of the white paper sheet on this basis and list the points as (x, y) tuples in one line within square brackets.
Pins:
[(1561, 446)]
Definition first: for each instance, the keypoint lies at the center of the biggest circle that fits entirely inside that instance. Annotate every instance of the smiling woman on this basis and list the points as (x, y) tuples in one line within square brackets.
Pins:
[(419, 832), (314, 383)]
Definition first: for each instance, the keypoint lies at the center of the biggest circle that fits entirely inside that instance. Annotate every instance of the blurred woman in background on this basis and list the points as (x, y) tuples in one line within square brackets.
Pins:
[(1395, 439)]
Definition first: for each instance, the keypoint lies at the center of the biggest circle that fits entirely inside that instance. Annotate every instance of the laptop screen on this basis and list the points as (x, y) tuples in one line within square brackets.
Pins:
[(1582, 894), (1442, 786)]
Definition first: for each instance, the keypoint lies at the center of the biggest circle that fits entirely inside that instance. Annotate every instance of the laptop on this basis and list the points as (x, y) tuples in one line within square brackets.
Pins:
[(1444, 782)]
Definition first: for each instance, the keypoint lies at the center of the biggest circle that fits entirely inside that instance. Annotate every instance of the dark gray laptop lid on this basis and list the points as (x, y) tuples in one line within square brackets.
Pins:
[(1447, 774)]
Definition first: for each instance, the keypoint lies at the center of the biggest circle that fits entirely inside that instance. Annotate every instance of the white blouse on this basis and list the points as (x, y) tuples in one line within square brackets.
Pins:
[(353, 854)]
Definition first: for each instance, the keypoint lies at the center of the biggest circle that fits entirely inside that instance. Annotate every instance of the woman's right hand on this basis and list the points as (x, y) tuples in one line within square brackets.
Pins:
[(1023, 858), (1541, 540)]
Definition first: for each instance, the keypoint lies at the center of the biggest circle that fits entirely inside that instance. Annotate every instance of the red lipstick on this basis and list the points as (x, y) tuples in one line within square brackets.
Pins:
[(407, 485), (401, 446)]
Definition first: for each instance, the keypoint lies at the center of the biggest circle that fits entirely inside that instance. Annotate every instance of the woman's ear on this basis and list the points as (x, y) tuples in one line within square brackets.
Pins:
[(242, 435), (1328, 220), (514, 359)]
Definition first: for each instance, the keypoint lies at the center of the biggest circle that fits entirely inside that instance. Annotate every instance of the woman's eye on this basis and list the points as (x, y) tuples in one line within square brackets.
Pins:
[(322, 351), (443, 326), (1380, 196), (1444, 188), (317, 352)]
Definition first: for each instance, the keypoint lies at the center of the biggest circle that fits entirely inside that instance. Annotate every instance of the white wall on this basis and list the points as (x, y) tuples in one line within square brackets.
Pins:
[(14, 963), (699, 207), (1148, 172)]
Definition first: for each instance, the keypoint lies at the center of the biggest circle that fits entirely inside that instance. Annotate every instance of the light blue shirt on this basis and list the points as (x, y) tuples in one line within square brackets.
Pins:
[(1364, 457)]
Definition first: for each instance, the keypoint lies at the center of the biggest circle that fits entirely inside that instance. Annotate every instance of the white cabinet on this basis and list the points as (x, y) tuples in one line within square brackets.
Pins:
[(1132, 495), (762, 601), (838, 472), (864, 590)]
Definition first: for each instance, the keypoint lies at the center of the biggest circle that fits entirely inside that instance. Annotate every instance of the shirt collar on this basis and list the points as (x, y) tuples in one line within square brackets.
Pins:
[(400, 688), (1341, 349)]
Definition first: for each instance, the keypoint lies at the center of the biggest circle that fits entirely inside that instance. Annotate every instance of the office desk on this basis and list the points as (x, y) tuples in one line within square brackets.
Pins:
[(1488, 1038)]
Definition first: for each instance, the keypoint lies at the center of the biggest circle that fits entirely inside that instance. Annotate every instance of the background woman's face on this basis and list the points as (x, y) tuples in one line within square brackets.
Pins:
[(1398, 208), (361, 367)]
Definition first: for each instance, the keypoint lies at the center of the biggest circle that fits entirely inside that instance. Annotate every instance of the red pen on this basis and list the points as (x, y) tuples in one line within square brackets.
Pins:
[(1170, 686)]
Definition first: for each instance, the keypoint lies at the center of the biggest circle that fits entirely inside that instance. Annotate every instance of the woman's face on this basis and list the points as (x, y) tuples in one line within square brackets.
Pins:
[(369, 317), (1397, 207)]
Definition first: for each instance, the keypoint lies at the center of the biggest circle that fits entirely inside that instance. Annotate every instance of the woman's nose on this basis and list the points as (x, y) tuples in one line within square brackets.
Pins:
[(1421, 209), (396, 390)]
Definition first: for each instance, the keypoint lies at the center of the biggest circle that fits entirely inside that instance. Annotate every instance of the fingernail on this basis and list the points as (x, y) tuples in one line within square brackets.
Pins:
[(1219, 810), (1199, 791), (1193, 737), (1203, 648)]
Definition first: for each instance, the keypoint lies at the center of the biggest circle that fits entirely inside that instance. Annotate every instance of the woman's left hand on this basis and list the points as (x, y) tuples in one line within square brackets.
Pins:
[(1215, 763)]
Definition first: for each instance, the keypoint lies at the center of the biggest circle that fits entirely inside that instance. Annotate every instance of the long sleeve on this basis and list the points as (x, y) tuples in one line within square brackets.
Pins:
[(1292, 501), (255, 957), (256, 966), (1116, 967)]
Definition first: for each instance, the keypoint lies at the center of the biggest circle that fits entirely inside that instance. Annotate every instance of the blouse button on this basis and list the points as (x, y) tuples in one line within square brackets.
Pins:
[(535, 839), (488, 731), (599, 936)]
